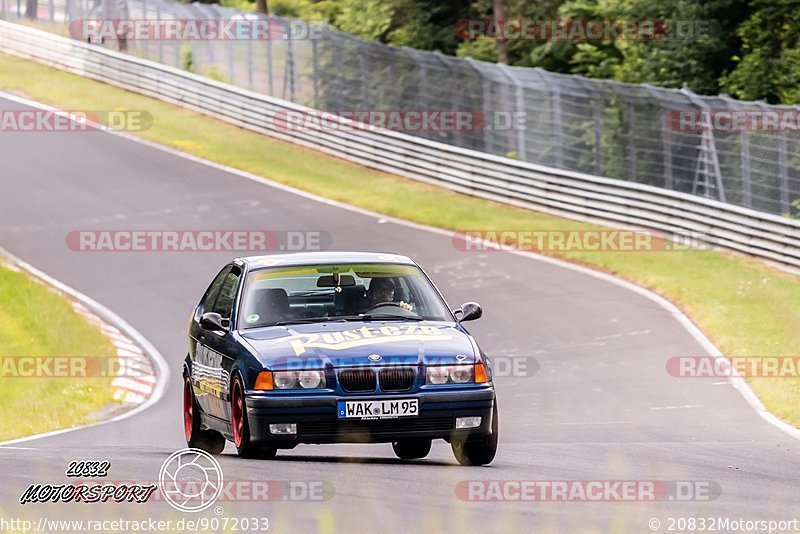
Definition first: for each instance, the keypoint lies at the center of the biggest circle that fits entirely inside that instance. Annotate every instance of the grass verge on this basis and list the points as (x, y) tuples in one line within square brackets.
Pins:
[(744, 306), (36, 321)]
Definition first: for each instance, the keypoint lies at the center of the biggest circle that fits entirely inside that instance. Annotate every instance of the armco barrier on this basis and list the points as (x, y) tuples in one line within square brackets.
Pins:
[(564, 193)]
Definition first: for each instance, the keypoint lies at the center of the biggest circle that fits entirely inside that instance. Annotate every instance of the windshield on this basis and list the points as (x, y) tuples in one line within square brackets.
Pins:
[(317, 293)]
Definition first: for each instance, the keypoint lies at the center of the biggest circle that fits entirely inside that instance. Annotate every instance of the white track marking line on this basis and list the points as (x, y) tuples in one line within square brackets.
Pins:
[(738, 382)]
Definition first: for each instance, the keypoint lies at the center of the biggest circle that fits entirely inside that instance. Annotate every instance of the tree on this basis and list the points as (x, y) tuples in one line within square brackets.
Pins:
[(421, 24), (31, 9), (769, 65), (499, 15)]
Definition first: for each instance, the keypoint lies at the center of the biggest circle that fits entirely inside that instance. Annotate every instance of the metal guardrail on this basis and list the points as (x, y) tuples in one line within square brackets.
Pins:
[(711, 146), (565, 193)]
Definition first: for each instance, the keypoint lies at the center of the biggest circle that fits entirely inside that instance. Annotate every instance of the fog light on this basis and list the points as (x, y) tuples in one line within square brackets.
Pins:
[(286, 428), (468, 422)]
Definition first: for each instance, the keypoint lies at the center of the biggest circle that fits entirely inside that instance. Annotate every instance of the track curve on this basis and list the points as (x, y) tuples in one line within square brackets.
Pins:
[(600, 407)]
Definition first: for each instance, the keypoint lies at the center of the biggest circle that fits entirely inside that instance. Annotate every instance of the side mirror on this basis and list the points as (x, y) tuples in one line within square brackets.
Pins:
[(470, 311), (211, 321)]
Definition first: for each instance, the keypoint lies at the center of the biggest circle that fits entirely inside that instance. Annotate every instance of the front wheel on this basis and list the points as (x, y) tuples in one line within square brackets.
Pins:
[(477, 451), (412, 449), (206, 440), (241, 428)]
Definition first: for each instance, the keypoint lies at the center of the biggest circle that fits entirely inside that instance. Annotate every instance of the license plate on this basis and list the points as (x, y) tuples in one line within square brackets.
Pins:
[(380, 409)]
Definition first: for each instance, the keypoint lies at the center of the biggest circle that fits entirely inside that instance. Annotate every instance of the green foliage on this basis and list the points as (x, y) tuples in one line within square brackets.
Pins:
[(241, 5), (796, 206), (216, 74), (749, 48), (187, 58), (769, 65), (481, 49), (695, 51)]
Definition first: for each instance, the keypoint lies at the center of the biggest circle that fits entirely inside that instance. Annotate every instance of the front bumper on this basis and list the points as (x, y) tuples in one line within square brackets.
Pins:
[(317, 420)]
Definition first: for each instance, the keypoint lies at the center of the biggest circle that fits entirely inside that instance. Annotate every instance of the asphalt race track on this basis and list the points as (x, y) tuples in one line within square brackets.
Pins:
[(601, 405)]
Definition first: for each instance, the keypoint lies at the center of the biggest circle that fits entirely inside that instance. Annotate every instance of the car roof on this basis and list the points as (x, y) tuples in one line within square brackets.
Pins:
[(317, 258)]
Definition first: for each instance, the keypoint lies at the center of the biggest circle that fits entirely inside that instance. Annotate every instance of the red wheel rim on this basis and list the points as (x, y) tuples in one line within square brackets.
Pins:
[(237, 411), (188, 410)]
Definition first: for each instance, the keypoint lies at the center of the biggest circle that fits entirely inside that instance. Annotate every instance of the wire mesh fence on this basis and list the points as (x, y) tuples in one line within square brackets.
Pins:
[(743, 153)]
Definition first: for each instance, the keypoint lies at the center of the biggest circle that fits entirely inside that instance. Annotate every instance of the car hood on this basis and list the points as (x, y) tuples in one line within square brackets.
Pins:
[(348, 344)]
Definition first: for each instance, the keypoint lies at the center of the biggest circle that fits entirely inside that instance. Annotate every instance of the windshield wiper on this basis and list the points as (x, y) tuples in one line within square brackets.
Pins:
[(306, 321), (381, 316)]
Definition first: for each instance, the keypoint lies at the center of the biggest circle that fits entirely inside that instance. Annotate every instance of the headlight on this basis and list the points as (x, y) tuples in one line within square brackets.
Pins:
[(461, 374), (285, 379), (299, 379), (438, 375), (311, 379), (449, 374)]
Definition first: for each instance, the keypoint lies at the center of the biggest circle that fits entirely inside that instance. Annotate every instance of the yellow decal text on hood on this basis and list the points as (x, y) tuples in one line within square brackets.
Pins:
[(348, 339)]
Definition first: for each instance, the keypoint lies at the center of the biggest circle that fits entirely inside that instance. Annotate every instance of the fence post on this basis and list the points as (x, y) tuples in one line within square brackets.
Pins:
[(744, 156), (558, 132), (665, 138), (486, 95), (784, 175), (250, 64), (519, 107), (314, 71), (364, 68), (289, 67), (270, 83), (632, 160), (597, 119)]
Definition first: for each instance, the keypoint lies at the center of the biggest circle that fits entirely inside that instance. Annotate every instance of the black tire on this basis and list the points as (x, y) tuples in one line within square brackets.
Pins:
[(480, 450), (241, 427), (210, 441), (411, 449)]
